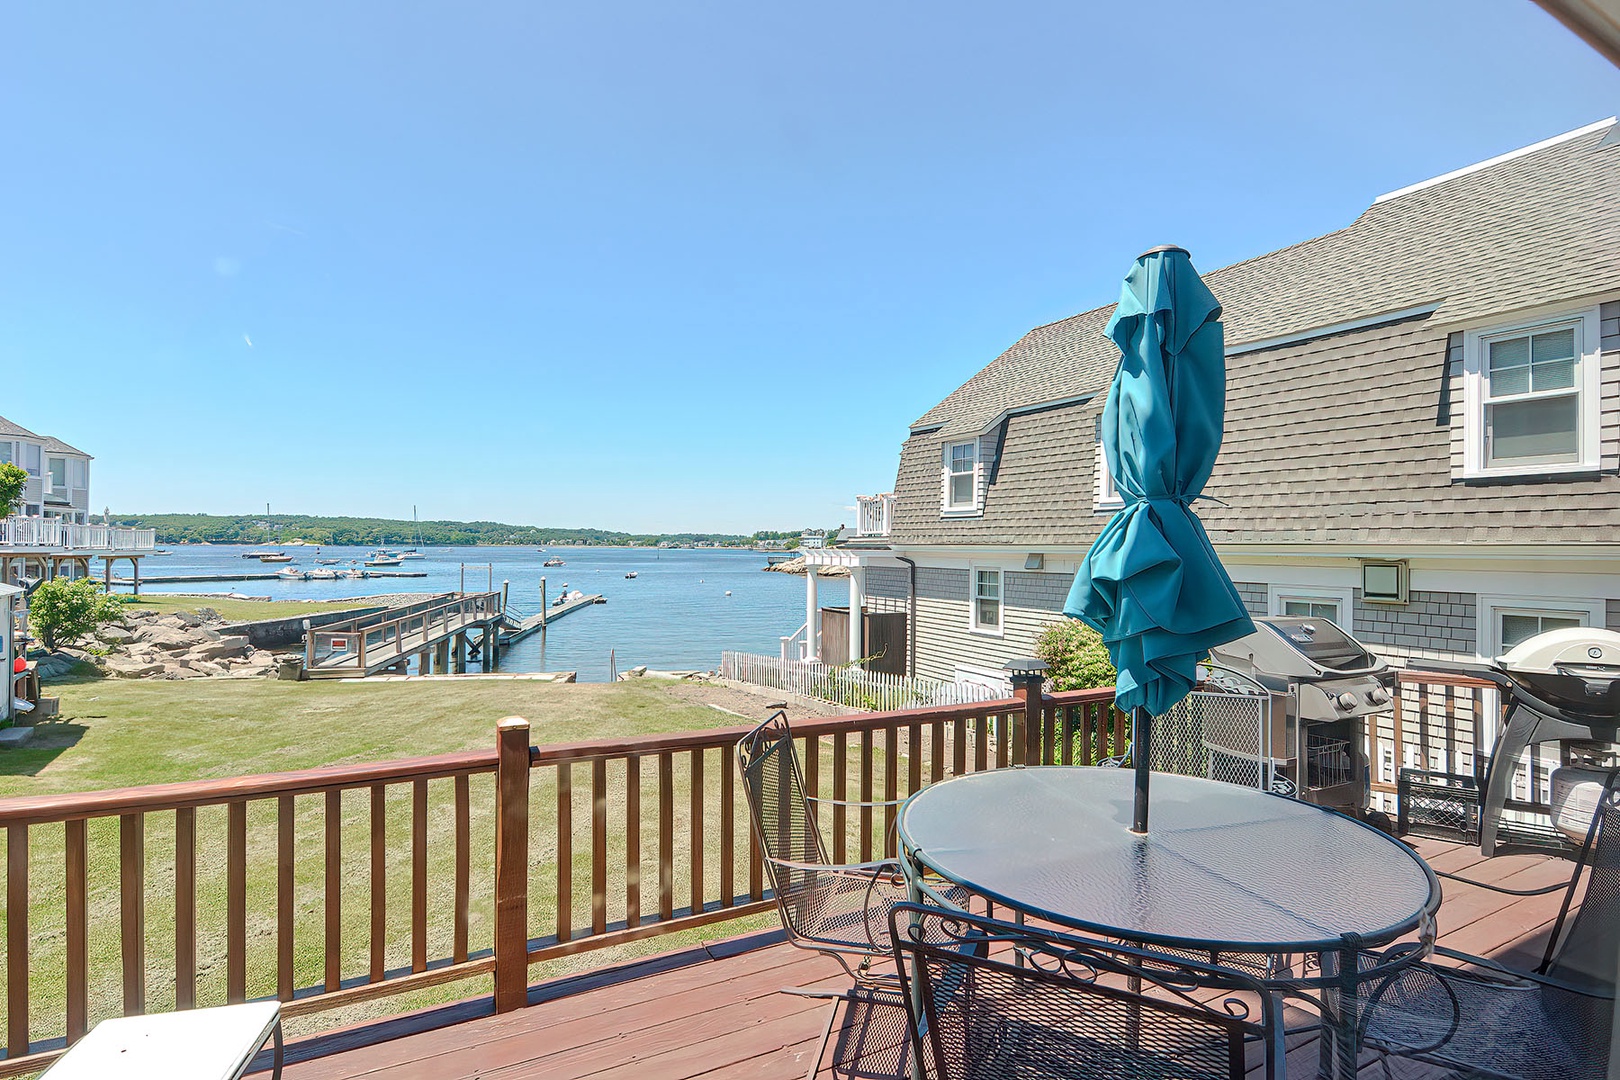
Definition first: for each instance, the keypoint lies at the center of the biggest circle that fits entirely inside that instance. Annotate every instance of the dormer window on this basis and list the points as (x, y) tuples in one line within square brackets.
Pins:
[(962, 476), (1532, 398), (1107, 496)]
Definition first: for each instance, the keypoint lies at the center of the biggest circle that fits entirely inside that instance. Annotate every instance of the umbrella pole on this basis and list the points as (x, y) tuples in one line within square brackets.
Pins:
[(1141, 740)]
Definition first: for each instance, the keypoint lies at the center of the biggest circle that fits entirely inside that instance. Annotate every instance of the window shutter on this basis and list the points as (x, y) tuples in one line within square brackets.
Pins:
[(945, 489), (978, 485)]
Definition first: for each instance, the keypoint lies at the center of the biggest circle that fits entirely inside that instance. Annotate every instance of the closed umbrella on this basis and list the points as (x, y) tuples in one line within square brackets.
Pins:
[(1151, 584)]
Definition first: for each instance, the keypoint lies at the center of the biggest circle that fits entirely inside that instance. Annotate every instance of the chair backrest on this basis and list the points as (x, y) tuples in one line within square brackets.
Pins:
[(1587, 953), (783, 824), (985, 994)]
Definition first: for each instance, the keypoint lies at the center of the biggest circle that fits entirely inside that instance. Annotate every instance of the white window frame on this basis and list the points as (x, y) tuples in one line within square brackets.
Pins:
[(972, 505), (1107, 499), (974, 625), (32, 457), (8, 452), (1489, 609), (1278, 595), (78, 473), (1588, 383), (50, 471)]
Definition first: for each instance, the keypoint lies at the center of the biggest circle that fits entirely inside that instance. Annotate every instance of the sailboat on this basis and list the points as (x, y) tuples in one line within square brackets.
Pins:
[(411, 552)]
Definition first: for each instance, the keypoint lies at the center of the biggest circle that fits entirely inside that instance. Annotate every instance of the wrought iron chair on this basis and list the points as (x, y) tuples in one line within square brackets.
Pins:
[(1554, 1023), (838, 909), (991, 1000)]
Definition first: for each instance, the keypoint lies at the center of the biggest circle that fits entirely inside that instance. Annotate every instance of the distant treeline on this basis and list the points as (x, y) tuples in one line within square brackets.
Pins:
[(280, 528)]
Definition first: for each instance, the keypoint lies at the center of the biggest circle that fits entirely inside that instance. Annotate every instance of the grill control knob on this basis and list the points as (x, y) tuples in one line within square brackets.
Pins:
[(1377, 696), (1346, 701)]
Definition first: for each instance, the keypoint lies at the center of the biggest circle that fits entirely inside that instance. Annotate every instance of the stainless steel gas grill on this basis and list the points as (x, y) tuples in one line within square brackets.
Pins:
[(1322, 684), (1562, 686)]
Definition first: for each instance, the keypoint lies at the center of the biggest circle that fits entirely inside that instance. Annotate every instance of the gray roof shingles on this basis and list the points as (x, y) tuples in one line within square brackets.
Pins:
[(1479, 243), (1335, 438)]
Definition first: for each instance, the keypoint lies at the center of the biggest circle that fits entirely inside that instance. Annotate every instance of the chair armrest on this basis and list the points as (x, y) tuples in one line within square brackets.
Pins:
[(854, 802), (875, 866), (1492, 972)]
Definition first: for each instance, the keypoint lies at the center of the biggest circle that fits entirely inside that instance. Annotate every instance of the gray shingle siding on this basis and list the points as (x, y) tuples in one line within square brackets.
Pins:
[(1254, 597), (1431, 624), (1037, 592), (942, 583), (1307, 457), (944, 640), (886, 581)]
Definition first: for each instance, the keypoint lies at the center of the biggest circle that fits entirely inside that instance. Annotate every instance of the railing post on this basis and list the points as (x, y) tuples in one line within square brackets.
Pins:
[(1027, 675), (309, 648), (512, 864)]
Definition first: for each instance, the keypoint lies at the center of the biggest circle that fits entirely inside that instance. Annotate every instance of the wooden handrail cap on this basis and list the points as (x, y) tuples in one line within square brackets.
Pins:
[(510, 723)]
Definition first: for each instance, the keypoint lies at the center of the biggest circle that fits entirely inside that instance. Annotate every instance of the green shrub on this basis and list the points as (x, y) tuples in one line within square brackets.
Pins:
[(61, 611), (1076, 658), (12, 482)]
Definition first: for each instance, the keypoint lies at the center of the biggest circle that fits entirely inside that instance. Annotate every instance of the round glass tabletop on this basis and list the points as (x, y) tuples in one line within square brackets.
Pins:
[(1221, 867)]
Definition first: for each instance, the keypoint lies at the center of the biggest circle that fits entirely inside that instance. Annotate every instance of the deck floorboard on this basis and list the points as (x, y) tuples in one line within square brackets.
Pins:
[(716, 1013)]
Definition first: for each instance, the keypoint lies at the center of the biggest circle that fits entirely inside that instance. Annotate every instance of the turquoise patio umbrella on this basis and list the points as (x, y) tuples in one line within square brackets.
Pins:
[(1151, 584)]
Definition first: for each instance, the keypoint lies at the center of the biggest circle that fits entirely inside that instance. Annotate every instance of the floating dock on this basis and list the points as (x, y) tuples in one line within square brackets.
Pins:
[(197, 579), (517, 631)]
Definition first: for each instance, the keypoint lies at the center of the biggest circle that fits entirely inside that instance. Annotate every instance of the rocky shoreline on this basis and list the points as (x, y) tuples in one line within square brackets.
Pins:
[(183, 645), (797, 566)]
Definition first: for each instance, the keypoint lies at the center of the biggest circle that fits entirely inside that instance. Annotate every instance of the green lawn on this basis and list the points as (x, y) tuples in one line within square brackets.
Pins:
[(117, 733), (241, 610)]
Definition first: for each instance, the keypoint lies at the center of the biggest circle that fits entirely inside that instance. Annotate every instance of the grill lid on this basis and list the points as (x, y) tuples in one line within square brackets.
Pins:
[(1576, 650)]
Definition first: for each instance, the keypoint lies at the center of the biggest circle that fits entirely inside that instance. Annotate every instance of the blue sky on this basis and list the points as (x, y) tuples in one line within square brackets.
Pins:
[(657, 266)]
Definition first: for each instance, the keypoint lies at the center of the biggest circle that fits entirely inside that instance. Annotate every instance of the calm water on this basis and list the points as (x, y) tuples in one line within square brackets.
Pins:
[(674, 614)]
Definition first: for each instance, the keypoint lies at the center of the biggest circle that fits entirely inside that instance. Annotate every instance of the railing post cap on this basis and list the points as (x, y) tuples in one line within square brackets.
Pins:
[(1026, 666), (512, 723)]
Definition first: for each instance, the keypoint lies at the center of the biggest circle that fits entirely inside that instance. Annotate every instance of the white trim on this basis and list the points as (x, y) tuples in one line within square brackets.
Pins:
[(1334, 328), (949, 506), (1587, 323), (1005, 414), (1345, 598), (1106, 498), (1488, 605), (1499, 159), (974, 626)]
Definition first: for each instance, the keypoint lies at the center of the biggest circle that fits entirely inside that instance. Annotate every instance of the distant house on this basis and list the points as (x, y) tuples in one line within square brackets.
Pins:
[(49, 533), (58, 474), (1422, 438)]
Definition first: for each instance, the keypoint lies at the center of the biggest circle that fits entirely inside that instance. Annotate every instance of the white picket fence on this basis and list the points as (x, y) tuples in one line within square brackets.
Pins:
[(849, 686)]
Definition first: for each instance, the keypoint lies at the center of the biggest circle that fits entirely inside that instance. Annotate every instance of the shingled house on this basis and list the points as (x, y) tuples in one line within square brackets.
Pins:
[(1422, 438)]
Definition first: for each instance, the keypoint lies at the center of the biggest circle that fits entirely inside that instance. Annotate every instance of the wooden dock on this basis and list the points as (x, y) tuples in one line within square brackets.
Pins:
[(198, 579), (442, 633), (533, 624)]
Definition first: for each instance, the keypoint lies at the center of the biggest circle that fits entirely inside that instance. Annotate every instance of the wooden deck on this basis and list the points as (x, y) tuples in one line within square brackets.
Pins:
[(717, 1011)]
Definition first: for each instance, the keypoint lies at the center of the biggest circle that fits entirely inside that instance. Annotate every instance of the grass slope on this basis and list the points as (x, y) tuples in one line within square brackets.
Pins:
[(117, 733)]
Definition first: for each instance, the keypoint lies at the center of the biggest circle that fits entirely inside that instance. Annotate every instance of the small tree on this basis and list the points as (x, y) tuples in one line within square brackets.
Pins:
[(61, 611), (1076, 658), (12, 481)]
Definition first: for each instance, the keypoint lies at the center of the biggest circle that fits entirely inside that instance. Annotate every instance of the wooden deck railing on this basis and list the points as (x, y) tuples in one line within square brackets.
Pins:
[(396, 630), (330, 887)]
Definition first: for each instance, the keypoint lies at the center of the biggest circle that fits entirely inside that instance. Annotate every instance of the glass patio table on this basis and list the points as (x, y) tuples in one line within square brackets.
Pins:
[(1223, 870)]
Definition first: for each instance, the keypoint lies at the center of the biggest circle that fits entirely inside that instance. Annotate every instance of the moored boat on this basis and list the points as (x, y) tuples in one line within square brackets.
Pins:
[(553, 561), (275, 557), (291, 573)]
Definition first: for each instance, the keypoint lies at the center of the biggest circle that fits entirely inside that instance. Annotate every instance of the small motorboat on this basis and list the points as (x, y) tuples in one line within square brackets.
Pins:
[(258, 554), (553, 561), (630, 575), (328, 562), (411, 553), (321, 575), (275, 557), (384, 558), (353, 573), (291, 573)]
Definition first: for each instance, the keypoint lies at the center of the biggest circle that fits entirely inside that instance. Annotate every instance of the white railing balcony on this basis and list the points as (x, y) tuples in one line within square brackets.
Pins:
[(39, 532), (874, 514)]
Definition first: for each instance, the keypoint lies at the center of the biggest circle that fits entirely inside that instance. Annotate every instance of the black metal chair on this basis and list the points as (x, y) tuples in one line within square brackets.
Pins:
[(991, 1000), (838, 909), (1553, 1023)]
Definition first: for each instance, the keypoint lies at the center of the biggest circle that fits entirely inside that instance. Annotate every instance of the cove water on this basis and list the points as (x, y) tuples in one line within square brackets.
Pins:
[(674, 614)]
